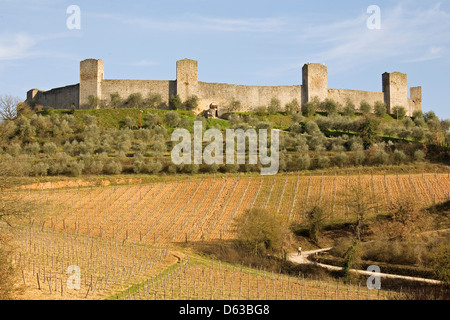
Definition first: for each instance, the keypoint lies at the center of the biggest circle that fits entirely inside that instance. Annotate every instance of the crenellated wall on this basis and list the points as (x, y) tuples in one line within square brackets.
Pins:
[(127, 87), (249, 96), (341, 96), (315, 84), (58, 98)]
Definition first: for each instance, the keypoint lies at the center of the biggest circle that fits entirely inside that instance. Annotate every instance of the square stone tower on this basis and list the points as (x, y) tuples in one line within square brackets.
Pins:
[(395, 89), (187, 78), (91, 76), (315, 82), (415, 103)]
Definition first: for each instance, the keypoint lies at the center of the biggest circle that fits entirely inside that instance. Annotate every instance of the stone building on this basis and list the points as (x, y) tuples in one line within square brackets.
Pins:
[(314, 84)]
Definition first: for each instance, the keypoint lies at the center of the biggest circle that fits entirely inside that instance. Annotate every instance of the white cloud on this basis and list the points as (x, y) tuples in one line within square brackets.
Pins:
[(199, 23), (21, 45), (432, 54), (408, 35), (16, 46)]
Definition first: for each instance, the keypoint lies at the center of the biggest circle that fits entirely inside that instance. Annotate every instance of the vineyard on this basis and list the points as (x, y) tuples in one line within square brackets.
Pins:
[(216, 281), (44, 259), (204, 209), (121, 237)]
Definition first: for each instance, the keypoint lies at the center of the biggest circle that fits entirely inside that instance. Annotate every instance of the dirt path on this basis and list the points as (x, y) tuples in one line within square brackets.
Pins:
[(303, 259)]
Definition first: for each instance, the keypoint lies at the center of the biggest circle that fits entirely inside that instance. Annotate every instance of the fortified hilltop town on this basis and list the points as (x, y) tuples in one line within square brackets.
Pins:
[(314, 84)]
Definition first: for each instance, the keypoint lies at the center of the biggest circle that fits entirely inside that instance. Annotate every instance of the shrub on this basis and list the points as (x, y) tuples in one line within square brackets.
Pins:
[(420, 122), (261, 111), (408, 123), (172, 119), (329, 106), (297, 117), (7, 130), (399, 156), (304, 161), (59, 166), (75, 168), (212, 168), (418, 134), (315, 218), (153, 101), (365, 107), (368, 131), (323, 162), (113, 167), (135, 100), (359, 157), (175, 102), (231, 168), (96, 167), (25, 130), (317, 141), (40, 169), (93, 102), (441, 264), (380, 157), (311, 127), (430, 115), (89, 120), (349, 109), (234, 106), (296, 128), (185, 123), (172, 168), (49, 148), (399, 112), (191, 168), (419, 155), (293, 107), (154, 167), (86, 147), (310, 108), (341, 159), (352, 258), (14, 149), (404, 133), (260, 231), (138, 163), (152, 120), (191, 103), (418, 115), (32, 148), (161, 132), (263, 125), (380, 109), (140, 147), (47, 111), (445, 125), (274, 106), (130, 123), (91, 133), (159, 146), (116, 100), (122, 146)]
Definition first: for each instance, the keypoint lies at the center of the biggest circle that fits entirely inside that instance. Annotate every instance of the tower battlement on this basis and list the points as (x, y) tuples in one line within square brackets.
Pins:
[(314, 85)]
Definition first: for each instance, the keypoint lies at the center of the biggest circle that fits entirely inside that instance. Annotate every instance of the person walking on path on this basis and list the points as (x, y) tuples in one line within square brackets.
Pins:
[(299, 251)]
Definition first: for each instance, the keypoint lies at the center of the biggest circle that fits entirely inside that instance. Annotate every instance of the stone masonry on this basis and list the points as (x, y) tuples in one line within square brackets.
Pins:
[(314, 85)]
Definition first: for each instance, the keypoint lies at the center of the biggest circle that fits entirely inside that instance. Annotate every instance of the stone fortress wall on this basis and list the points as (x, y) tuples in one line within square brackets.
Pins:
[(314, 84)]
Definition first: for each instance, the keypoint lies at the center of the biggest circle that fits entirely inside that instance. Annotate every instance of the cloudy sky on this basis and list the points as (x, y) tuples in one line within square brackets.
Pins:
[(241, 42)]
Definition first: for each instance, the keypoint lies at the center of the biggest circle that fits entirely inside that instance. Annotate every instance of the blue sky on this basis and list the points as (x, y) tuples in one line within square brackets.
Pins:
[(242, 42)]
